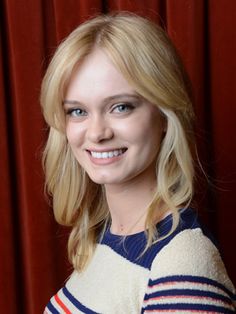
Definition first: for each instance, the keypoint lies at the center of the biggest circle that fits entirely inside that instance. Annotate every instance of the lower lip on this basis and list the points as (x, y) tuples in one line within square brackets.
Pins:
[(105, 161)]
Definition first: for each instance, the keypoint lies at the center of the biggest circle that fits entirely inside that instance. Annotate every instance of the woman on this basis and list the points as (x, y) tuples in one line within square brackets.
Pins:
[(119, 166)]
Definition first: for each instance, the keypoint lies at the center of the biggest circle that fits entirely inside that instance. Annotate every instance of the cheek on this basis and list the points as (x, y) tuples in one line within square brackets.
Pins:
[(73, 134), (148, 131)]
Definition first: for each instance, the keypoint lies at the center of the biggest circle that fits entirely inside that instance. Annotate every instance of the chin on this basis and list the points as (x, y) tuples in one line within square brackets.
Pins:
[(106, 179), (100, 179), (103, 181)]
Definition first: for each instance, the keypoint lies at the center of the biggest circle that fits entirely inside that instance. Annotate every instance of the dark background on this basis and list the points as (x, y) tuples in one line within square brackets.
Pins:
[(33, 263)]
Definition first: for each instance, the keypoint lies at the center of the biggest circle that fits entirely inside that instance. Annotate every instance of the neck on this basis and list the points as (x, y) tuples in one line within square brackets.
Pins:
[(128, 204)]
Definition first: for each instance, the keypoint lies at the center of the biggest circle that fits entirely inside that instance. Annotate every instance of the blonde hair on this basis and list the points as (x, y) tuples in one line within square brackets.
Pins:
[(146, 57)]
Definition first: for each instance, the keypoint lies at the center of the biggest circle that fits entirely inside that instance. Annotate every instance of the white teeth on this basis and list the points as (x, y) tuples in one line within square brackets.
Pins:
[(104, 155), (110, 154)]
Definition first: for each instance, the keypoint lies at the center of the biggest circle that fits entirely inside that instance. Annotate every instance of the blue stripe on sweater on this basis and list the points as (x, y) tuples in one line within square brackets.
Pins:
[(52, 309), (76, 303), (188, 292), (187, 307)]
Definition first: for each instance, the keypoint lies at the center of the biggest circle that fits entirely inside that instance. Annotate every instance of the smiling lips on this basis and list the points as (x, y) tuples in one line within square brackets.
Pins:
[(107, 154)]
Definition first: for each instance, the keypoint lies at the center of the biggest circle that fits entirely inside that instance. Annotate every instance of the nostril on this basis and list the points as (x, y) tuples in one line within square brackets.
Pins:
[(99, 133)]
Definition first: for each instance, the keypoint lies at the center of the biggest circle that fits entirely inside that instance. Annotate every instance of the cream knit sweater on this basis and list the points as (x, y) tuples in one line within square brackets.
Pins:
[(183, 273)]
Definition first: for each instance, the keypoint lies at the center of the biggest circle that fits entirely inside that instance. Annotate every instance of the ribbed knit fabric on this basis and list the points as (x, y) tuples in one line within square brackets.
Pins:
[(182, 273)]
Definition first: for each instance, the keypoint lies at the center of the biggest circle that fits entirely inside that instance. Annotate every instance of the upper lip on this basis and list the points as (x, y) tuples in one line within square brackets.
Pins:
[(101, 150)]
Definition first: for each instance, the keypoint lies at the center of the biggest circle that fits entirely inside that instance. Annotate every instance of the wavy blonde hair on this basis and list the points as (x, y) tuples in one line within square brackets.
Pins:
[(144, 54)]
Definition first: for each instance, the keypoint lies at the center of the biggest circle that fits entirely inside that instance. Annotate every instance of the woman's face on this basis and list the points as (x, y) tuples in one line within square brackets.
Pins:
[(114, 133)]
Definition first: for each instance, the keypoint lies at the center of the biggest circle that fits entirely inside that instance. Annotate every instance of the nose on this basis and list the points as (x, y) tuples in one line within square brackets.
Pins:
[(99, 130)]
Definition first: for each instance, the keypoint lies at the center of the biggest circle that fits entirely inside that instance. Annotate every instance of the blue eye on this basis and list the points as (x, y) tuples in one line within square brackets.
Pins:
[(122, 108), (77, 112)]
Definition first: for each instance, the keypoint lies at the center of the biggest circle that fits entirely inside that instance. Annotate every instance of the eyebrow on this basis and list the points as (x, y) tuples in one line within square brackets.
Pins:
[(105, 100)]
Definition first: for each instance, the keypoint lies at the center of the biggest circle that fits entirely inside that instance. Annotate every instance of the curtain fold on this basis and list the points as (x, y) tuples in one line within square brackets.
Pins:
[(8, 254), (222, 99), (33, 247)]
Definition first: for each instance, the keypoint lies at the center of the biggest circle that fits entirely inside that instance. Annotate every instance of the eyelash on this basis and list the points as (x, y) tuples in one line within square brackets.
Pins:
[(128, 107), (72, 112)]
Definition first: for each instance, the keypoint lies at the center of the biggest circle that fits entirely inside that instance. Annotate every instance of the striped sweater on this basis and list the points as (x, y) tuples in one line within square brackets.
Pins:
[(182, 273)]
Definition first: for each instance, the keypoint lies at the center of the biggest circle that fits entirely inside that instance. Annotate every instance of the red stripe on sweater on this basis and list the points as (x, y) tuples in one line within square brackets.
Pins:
[(62, 305), (171, 283), (194, 297)]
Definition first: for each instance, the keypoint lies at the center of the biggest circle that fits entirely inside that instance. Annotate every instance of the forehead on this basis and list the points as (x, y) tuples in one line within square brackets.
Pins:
[(97, 77)]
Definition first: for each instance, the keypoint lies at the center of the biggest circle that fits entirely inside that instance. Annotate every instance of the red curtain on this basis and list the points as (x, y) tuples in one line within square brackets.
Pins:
[(33, 264)]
